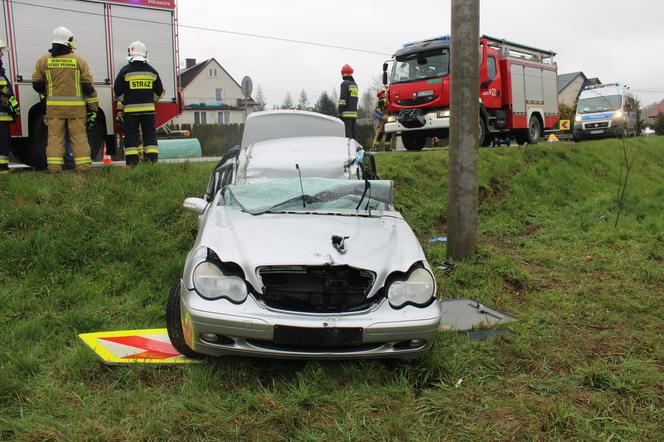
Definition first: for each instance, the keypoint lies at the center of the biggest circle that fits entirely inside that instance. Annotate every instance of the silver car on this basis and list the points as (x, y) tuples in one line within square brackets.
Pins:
[(300, 253)]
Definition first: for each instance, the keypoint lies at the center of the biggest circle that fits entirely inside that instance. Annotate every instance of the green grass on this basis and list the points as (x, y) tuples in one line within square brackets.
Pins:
[(95, 252)]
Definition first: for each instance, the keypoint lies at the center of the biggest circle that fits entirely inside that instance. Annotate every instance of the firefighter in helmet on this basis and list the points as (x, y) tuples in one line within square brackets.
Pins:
[(137, 88), (65, 80), (9, 110), (381, 116), (348, 98)]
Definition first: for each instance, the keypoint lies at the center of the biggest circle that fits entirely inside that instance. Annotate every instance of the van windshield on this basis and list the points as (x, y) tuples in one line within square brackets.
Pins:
[(415, 69), (599, 104)]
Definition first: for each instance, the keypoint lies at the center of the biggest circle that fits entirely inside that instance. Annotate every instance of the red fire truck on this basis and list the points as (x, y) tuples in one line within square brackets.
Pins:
[(518, 91), (103, 29)]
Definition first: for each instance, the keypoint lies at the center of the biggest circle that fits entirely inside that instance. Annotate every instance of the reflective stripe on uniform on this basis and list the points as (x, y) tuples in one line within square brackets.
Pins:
[(4, 159), (140, 75), (139, 107), (352, 90), (92, 100), (4, 116), (151, 149), (55, 160), (140, 149), (82, 160), (65, 101), (349, 114), (131, 150), (342, 102), (78, 83), (49, 82), (3, 82)]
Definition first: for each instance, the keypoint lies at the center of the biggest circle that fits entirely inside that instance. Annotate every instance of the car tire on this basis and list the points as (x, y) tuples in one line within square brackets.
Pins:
[(534, 130), (174, 323), (413, 142), (484, 139)]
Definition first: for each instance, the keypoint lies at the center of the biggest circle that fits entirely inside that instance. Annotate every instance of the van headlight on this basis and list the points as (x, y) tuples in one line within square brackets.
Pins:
[(211, 282), (391, 118), (618, 114), (418, 288), (577, 118)]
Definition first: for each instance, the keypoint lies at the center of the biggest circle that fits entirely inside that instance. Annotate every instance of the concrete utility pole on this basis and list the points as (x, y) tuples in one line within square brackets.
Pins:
[(464, 129)]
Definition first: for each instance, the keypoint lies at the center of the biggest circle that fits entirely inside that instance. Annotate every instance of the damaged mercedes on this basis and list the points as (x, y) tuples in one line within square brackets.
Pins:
[(301, 254)]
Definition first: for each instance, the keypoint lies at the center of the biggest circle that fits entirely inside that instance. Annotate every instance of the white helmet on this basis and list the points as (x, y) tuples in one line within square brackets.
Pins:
[(3, 45), (63, 36), (137, 51)]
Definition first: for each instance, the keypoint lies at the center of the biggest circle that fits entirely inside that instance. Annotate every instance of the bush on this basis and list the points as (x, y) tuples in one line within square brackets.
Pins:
[(659, 124)]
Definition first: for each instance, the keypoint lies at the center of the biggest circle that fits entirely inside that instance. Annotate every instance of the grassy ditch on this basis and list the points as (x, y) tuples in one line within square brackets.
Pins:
[(98, 251)]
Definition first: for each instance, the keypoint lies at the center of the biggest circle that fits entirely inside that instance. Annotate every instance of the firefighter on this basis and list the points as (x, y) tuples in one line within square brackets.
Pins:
[(65, 80), (137, 88), (348, 98), (9, 110), (381, 116)]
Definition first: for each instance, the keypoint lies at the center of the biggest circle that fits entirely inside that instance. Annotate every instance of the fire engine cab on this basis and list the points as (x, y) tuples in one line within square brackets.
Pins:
[(103, 30), (517, 91)]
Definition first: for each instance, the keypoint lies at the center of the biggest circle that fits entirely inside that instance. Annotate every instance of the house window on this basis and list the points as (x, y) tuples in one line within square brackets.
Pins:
[(219, 95), (223, 117), (200, 118), (212, 72)]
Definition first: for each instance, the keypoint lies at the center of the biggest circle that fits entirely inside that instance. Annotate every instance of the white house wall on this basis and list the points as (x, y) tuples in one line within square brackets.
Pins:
[(187, 117), (569, 94)]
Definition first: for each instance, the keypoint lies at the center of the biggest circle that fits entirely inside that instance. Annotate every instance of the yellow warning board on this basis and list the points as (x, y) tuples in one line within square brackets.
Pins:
[(150, 346), (564, 125), (552, 138)]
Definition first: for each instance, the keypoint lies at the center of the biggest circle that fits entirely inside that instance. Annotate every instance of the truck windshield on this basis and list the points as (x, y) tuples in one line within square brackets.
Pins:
[(599, 104), (415, 69)]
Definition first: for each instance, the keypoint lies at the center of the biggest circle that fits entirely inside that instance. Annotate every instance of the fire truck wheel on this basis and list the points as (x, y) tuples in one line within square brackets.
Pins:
[(484, 137), (413, 141), (534, 130)]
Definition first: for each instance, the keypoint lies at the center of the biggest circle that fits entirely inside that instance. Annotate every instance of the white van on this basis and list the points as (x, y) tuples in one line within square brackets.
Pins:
[(607, 110)]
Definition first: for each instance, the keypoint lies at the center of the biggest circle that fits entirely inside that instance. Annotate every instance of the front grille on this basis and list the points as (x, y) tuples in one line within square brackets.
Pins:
[(317, 289), (319, 349), (416, 101), (596, 125)]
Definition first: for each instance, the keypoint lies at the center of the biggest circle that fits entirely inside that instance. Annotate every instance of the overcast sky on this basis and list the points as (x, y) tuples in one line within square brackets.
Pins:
[(610, 39)]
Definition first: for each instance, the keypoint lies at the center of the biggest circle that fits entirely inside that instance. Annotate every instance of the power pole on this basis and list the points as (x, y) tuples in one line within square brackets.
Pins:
[(464, 129)]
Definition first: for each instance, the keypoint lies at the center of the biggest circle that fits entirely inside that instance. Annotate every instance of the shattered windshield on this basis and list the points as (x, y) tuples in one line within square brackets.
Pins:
[(320, 195), (421, 68), (599, 104)]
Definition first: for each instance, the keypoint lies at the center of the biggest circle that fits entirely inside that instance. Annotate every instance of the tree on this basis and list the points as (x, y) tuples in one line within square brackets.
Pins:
[(367, 105), (325, 105), (303, 102), (566, 111), (659, 124), (260, 98), (639, 112), (288, 102)]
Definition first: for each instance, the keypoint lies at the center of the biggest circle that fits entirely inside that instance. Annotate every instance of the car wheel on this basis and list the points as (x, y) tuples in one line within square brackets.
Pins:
[(174, 323), (534, 130), (413, 142)]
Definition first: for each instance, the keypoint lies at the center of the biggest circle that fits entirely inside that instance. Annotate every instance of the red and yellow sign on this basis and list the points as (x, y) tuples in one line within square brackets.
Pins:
[(564, 125), (150, 346)]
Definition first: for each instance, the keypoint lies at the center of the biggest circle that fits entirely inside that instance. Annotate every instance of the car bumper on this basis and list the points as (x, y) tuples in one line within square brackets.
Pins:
[(614, 129), (248, 329), (432, 122)]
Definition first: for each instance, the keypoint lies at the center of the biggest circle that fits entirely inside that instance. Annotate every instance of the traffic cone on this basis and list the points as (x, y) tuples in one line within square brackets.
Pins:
[(107, 158)]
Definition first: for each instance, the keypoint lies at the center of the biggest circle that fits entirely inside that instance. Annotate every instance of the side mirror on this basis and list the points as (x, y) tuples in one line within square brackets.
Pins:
[(195, 205), (384, 78)]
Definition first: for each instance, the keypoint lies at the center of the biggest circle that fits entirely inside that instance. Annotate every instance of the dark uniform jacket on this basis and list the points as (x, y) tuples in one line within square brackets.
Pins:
[(348, 98), (6, 96), (137, 88)]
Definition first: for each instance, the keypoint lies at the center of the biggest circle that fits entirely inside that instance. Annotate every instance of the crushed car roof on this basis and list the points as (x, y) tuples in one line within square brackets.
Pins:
[(271, 125)]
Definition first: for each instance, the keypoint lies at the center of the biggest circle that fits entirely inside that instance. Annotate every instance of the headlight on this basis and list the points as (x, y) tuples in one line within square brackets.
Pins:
[(444, 114), (391, 118), (577, 118), (212, 283), (417, 289), (618, 114)]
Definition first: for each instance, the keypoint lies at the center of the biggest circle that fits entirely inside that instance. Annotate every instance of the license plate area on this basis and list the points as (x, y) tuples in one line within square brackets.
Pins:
[(328, 337), (599, 131)]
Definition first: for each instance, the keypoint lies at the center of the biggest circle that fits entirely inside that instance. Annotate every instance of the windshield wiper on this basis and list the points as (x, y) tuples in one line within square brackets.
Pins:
[(304, 198)]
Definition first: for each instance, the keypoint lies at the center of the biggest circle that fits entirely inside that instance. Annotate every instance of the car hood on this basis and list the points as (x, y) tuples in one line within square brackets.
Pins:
[(382, 244)]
